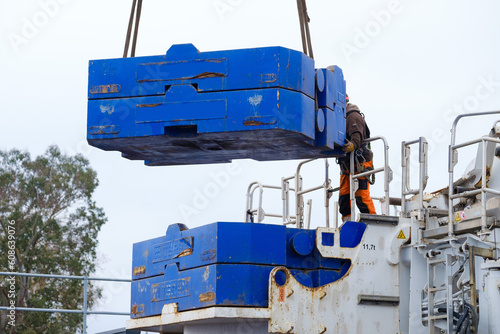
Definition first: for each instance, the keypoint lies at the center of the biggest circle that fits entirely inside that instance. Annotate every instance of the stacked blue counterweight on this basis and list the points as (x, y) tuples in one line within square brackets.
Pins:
[(191, 107), (228, 264)]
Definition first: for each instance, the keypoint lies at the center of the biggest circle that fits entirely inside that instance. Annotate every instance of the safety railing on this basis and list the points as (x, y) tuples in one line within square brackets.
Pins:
[(301, 218), (299, 195), (388, 175), (84, 311), (259, 212), (423, 175), (288, 219), (453, 160)]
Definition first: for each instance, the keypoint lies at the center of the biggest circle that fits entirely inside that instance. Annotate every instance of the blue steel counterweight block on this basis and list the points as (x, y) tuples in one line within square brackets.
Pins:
[(301, 255), (332, 103), (228, 264), (191, 107), (315, 270), (212, 285), (221, 242)]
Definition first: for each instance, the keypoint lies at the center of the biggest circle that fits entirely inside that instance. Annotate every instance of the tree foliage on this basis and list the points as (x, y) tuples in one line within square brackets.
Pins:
[(49, 202)]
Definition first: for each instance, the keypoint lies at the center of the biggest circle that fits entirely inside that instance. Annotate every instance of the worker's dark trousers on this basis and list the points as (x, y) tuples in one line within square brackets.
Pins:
[(363, 198)]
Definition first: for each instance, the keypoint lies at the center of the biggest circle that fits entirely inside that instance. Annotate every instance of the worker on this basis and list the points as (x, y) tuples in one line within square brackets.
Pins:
[(356, 132)]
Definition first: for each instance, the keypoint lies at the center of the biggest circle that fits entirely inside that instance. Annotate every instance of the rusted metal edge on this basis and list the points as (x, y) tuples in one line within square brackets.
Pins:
[(378, 300), (378, 219)]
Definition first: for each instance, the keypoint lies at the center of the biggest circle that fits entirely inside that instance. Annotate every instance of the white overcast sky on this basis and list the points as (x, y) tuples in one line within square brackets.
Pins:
[(410, 72)]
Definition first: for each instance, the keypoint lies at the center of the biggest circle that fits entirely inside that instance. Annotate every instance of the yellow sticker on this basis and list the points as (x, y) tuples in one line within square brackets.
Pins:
[(401, 235), (457, 218)]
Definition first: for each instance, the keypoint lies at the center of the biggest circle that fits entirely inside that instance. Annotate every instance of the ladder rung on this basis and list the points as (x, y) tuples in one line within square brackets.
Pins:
[(438, 317), (434, 262), (437, 289)]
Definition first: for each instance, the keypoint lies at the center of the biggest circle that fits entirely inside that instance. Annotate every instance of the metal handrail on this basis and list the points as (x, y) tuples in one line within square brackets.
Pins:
[(250, 192), (260, 213), (483, 190), (388, 175), (423, 177), (299, 218), (288, 219), (452, 161), (299, 200), (84, 311), (285, 197)]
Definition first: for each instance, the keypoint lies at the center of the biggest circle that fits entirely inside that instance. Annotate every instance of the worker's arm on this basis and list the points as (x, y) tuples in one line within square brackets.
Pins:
[(355, 126), (356, 140), (353, 144)]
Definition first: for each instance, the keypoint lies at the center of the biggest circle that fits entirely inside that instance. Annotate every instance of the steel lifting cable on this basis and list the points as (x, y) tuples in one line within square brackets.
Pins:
[(304, 28), (135, 12), (129, 30), (136, 31)]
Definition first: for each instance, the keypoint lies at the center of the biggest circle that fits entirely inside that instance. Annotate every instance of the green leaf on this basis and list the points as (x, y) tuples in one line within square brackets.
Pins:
[(56, 229)]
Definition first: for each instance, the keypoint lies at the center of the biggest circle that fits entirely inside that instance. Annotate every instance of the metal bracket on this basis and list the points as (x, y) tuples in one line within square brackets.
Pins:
[(378, 300)]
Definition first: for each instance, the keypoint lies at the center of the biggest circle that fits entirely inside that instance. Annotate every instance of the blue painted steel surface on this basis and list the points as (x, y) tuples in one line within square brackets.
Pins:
[(334, 93), (220, 242), (302, 243), (216, 284), (351, 234), (323, 277), (258, 68), (332, 103), (191, 107), (228, 264)]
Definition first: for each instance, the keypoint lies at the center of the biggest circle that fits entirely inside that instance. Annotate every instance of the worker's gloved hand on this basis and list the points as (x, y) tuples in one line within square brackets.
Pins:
[(348, 147)]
